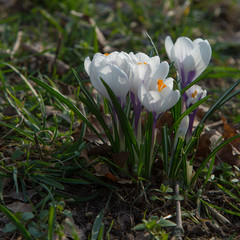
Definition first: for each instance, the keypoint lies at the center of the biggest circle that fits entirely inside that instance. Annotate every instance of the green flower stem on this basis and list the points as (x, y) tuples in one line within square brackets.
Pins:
[(139, 131), (121, 136), (154, 132)]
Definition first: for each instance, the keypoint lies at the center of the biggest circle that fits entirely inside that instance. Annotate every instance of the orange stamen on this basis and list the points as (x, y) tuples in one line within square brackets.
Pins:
[(194, 94), (142, 63), (106, 54), (161, 85)]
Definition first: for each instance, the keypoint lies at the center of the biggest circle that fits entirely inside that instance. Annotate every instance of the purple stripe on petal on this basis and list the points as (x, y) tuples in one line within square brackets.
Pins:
[(191, 121), (190, 77), (182, 75)]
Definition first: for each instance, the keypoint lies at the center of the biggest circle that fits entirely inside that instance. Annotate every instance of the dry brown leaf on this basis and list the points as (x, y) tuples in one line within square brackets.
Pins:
[(61, 66), (19, 207), (50, 110), (90, 136), (231, 152), (230, 131), (101, 168), (100, 150), (204, 145)]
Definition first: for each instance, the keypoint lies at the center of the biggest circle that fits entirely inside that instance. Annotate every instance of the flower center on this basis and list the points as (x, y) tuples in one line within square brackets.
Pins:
[(142, 63), (106, 54), (161, 85), (194, 94)]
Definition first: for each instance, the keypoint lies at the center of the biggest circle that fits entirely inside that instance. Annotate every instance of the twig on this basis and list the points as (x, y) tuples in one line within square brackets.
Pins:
[(17, 44), (178, 231), (219, 216), (62, 67), (100, 37)]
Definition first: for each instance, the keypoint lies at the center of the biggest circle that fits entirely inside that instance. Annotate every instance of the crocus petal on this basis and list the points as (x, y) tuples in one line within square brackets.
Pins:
[(141, 92), (162, 71), (169, 48), (87, 64), (182, 47), (116, 79), (170, 101), (142, 57), (201, 55), (154, 63)]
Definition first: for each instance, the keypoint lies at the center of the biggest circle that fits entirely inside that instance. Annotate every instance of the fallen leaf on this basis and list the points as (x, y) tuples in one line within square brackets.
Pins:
[(100, 150), (102, 168), (50, 110), (70, 228), (230, 131), (90, 136), (20, 207), (204, 145), (231, 152)]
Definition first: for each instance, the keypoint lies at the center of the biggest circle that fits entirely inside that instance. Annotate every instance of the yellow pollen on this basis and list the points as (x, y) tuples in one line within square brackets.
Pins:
[(194, 94), (161, 85), (142, 63), (106, 54)]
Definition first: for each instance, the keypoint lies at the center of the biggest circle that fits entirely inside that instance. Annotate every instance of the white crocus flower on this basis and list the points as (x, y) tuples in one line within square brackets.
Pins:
[(194, 94), (114, 69), (144, 68), (159, 97), (190, 57)]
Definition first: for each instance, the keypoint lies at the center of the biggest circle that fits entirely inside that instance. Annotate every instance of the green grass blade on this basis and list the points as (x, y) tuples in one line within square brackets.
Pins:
[(219, 102), (148, 159), (209, 171), (16, 222), (23, 78), (52, 20), (152, 43), (126, 127), (165, 147), (28, 135), (229, 192), (220, 208), (48, 181), (51, 221), (188, 111), (212, 154), (94, 109), (60, 97), (97, 225)]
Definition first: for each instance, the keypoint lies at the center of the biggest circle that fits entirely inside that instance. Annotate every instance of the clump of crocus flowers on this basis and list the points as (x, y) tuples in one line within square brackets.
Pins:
[(144, 81)]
